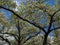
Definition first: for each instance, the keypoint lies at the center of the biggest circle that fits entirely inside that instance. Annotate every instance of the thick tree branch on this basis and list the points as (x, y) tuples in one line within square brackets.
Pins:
[(5, 40), (51, 21), (23, 18)]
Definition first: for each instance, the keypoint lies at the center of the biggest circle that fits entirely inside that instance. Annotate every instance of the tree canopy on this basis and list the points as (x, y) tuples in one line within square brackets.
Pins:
[(32, 23)]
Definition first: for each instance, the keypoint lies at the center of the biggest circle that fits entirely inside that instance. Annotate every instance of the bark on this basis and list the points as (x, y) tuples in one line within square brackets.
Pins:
[(45, 39), (19, 42)]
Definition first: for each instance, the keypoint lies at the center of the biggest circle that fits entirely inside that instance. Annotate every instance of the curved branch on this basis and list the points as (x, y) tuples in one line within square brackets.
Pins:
[(51, 21), (14, 35), (23, 18), (5, 40), (56, 12)]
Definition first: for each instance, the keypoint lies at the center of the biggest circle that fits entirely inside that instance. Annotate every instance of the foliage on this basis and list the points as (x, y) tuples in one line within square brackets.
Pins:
[(35, 16), (8, 3)]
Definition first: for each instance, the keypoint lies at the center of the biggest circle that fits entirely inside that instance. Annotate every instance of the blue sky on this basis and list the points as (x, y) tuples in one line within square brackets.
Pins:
[(51, 2), (7, 13)]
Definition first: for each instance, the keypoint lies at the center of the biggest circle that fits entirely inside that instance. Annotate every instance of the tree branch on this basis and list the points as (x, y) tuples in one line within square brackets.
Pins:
[(51, 21), (55, 28), (31, 37), (56, 12), (5, 40), (23, 18), (14, 35)]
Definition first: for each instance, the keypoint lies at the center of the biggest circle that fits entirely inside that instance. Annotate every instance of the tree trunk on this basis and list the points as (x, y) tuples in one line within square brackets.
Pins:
[(19, 42), (45, 39)]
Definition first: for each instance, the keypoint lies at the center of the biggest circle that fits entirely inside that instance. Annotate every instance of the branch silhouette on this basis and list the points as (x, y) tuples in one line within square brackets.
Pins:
[(5, 39), (14, 35), (31, 36), (24, 19), (55, 28), (56, 12)]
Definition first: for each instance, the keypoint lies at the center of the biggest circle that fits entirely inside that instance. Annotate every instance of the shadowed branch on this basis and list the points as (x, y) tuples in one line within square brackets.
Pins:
[(5, 40), (24, 19)]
